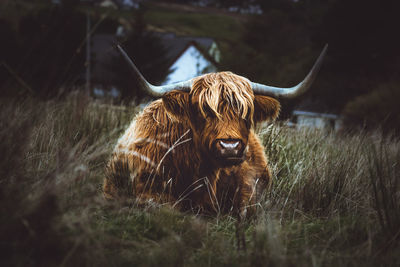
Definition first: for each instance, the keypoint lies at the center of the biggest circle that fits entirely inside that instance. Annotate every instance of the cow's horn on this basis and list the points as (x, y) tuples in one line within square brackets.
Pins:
[(153, 90), (261, 89)]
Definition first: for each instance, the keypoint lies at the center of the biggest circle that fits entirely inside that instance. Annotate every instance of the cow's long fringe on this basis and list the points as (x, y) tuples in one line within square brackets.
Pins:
[(221, 87)]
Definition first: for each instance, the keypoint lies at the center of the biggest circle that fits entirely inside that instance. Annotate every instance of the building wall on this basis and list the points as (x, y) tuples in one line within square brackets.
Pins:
[(318, 123), (312, 122), (316, 120), (215, 53)]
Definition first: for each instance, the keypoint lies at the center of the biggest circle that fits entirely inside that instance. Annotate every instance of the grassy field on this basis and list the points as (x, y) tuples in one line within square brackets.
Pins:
[(220, 26), (335, 199)]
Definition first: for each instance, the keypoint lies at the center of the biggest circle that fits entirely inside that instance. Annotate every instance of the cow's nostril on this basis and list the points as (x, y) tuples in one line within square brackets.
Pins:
[(229, 144), (229, 151), (229, 147)]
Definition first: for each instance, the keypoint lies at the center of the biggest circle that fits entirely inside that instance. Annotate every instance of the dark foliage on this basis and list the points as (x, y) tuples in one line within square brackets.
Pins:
[(45, 53), (280, 46), (274, 49), (50, 45), (149, 56), (107, 26), (8, 53), (364, 46), (376, 109)]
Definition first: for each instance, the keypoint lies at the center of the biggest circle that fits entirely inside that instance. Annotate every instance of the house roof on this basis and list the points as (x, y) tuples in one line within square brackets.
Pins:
[(176, 45), (199, 48), (190, 63), (103, 50)]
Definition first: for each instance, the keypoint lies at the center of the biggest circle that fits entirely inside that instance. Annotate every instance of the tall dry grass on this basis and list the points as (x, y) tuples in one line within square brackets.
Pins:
[(335, 199)]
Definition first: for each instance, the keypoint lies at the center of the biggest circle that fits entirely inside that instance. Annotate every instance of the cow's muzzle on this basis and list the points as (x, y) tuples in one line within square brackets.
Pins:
[(229, 151)]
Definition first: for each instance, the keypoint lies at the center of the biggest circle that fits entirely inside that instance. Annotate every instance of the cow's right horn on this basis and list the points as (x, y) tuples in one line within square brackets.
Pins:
[(294, 91), (153, 90)]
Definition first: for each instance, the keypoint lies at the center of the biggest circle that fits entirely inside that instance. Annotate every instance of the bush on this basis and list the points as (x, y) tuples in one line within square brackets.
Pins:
[(377, 109), (44, 52), (148, 54)]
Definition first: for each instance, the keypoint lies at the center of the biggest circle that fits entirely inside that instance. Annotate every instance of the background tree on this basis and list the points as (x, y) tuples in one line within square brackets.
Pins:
[(275, 48), (8, 56), (378, 109), (148, 54), (280, 46), (51, 45), (364, 48), (44, 53)]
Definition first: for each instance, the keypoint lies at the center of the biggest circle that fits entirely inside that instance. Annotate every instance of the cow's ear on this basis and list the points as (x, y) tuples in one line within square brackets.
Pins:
[(176, 103), (265, 108)]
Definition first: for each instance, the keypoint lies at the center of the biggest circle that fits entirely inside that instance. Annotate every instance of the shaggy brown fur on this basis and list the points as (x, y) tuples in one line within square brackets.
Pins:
[(166, 154)]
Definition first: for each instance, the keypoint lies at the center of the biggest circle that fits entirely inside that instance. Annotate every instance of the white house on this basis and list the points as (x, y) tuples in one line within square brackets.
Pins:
[(191, 63), (189, 56)]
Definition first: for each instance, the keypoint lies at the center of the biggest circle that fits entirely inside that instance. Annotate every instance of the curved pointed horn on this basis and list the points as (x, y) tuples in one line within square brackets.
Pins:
[(153, 90), (292, 92)]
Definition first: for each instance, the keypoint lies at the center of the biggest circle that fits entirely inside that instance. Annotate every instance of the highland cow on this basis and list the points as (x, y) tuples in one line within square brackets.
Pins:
[(196, 147)]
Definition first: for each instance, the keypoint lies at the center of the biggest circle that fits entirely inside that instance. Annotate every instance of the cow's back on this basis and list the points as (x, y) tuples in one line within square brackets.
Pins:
[(152, 156)]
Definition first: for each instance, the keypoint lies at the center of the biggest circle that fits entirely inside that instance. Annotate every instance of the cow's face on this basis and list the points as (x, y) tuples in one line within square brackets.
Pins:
[(221, 109)]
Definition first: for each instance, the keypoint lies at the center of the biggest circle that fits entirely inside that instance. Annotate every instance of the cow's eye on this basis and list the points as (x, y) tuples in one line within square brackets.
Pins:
[(248, 123), (208, 112), (210, 115), (200, 122)]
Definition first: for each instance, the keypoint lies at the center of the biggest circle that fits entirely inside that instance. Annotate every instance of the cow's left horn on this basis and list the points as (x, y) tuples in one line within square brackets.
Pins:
[(261, 89), (153, 90)]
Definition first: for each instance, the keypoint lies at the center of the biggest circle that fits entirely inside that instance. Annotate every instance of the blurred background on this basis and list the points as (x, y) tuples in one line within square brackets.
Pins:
[(49, 48)]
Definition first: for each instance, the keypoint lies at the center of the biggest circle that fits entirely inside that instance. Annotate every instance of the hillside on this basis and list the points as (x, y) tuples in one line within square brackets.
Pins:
[(166, 17)]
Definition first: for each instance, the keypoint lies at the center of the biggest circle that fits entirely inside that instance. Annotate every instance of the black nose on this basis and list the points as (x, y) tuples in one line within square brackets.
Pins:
[(229, 150)]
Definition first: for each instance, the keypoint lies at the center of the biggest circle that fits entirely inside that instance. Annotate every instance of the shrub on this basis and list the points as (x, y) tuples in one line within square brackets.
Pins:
[(377, 109)]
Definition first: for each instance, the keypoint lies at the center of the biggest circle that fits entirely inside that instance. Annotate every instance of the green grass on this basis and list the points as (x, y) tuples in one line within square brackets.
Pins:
[(13, 10), (217, 25), (221, 27), (334, 200)]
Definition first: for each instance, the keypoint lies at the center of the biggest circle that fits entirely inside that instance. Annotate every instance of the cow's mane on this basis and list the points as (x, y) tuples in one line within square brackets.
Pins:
[(224, 93)]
